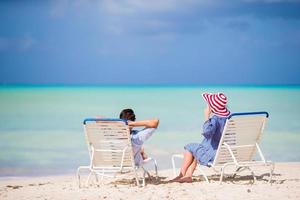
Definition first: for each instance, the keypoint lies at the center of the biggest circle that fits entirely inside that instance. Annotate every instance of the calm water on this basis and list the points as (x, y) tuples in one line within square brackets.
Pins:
[(41, 127)]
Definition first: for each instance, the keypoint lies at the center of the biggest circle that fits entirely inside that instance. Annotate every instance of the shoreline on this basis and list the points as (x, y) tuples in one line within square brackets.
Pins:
[(285, 185)]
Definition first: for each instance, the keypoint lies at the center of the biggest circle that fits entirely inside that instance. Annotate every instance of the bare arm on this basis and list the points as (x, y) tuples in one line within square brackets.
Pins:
[(207, 112), (151, 123)]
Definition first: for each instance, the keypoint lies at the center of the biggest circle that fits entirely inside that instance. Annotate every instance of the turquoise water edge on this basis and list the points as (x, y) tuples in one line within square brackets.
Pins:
[(41, 129)]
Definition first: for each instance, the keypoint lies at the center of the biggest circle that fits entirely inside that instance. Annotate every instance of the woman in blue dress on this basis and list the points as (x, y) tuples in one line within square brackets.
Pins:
[(215, 115)]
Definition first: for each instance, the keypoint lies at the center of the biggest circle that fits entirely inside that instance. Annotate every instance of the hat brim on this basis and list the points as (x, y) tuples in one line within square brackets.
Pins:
[(207, 97)]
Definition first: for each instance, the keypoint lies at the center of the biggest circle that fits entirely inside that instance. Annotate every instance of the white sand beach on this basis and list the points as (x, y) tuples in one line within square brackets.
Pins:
[(285, 185)]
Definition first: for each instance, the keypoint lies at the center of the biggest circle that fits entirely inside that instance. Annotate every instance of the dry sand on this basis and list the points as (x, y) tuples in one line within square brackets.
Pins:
[(285, 185)]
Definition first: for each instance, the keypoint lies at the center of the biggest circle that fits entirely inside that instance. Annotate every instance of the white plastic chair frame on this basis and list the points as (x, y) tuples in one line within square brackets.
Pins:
[(233, 159), (111, 171)]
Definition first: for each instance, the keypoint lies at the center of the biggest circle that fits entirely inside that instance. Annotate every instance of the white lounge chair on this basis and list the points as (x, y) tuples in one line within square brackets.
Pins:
[(238, 145), (110, 151)]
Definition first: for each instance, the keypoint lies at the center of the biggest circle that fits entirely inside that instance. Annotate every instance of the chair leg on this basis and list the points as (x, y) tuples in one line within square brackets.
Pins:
[(146, 172), (252, 173), (222, 173), (97, 179), (272, 166), (88, 179), (101, 179), (136, 177), (144, 175), (78, 177), (203, 174), (155, 167), (78, 173), (143, 179), (173, 165), (236, 171)]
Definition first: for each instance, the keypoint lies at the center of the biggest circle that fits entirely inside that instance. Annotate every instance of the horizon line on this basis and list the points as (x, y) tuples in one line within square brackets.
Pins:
[(141, 85)]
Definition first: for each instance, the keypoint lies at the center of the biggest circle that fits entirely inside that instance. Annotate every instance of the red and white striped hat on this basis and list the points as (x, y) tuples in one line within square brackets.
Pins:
[(217, 103)]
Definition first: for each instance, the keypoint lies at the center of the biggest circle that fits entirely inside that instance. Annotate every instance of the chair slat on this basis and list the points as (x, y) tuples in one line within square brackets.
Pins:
[(109, 135), (240, 131)]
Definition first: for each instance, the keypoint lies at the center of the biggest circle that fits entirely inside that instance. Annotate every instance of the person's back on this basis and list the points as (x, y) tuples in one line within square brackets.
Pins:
[(214, 138)]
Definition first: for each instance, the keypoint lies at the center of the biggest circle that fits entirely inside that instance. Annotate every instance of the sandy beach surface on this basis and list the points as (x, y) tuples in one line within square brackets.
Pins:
[(285, 185)]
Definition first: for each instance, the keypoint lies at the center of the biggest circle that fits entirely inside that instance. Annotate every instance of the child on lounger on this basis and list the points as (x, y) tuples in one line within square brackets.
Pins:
[(139, 137), (215, 115)]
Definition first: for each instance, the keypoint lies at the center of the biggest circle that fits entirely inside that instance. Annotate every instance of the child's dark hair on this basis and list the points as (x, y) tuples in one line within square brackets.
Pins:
[(127, 114)]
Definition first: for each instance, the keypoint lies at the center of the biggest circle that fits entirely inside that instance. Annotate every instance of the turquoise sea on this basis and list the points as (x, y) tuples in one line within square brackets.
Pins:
[(41, 129)]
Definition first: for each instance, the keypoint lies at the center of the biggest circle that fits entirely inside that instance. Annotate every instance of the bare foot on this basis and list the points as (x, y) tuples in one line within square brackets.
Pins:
[(185, 180), (177, 178), (144, 155)]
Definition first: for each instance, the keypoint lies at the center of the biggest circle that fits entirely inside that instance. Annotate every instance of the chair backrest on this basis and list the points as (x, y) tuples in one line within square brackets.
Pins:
[(108, 137), (242, 131)]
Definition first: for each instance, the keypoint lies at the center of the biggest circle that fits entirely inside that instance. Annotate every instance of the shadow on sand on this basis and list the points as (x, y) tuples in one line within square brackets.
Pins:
[(214, 179)]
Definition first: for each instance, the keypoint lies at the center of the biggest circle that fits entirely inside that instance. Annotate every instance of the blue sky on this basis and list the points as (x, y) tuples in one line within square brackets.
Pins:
[(150, 42)]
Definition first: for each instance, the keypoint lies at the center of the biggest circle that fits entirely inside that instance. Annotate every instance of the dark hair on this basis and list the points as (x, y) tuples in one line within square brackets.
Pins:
[(127, 114)]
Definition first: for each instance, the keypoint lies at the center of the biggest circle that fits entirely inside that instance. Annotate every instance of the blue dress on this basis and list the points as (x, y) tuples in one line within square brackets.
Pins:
[(205, 151)]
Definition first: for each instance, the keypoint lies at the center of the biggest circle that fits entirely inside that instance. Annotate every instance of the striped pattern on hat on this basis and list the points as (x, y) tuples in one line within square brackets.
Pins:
[(217, 103)]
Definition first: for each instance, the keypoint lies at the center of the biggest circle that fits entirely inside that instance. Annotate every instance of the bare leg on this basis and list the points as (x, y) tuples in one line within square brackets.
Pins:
[(191, 169), (144, 155), (187, 161), (187, 178)]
